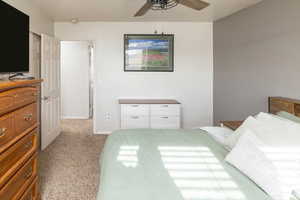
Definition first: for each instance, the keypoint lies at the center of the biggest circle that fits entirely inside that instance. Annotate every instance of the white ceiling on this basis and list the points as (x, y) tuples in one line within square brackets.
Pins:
[(123, 10)]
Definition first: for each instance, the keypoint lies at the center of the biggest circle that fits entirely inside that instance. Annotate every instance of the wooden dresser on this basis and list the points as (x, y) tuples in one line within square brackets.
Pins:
[(153, 113), (19, 139)]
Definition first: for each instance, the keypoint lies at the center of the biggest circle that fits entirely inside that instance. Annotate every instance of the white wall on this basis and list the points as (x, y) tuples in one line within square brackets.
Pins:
[(191, 83), (75, 79), (39, 21)]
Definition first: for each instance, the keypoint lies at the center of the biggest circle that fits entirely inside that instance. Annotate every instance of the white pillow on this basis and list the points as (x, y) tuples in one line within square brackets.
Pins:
[(287, 162), (220, 134), (285, 133), (296, 194), (249, 159), (262, 131), (271, 129), (285, 159)]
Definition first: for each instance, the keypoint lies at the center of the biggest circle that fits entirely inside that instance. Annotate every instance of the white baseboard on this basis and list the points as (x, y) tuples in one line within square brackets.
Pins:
[(103, 133), (67, 117)]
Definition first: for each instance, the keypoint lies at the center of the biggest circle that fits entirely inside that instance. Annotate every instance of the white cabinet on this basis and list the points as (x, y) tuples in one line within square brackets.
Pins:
[(157, 114)]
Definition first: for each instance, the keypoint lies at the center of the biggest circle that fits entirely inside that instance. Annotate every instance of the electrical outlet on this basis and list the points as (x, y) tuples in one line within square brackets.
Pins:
[(108, 116)]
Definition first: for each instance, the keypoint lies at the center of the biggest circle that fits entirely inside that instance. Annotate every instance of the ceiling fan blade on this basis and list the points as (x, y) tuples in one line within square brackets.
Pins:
[(195, 4), (144, 9)]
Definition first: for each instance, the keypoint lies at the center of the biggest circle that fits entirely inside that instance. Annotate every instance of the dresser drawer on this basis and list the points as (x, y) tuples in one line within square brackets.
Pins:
[(165, 109), (26, 117), (7, 101), (165, 122), (16, 98), (26, 96), (18, 184), (13, 158), (134, 109), (135, 121), (7, 131), (32, 192)]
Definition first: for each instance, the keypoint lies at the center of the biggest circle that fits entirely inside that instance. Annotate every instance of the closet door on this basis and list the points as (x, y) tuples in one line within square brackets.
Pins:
[(50, 105)]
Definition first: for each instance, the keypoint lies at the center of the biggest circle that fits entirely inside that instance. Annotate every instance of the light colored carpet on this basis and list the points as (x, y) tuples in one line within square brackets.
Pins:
[(69, 168)]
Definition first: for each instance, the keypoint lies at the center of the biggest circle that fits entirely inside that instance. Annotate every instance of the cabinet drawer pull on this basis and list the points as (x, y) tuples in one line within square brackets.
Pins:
[(28, 174), (34, 94), (164, 117), (134, 117), (28, 117), (2, 131), (135, 106)]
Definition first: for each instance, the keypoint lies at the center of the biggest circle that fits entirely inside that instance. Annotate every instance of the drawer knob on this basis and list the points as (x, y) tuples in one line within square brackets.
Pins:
[(165, 106), (34, 94), (135, 117), (164, 117), (28, 117), (135, 106), (2, 131)]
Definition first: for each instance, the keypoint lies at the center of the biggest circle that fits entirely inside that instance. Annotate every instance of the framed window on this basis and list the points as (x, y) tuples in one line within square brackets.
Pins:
[(148, 53)]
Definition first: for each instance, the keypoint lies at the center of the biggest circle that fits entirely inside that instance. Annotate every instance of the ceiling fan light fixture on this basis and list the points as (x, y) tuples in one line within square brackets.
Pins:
[(168, 4), (163, 4)]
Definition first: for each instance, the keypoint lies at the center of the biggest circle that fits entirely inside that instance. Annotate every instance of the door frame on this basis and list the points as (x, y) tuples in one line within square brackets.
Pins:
[(91, 74)]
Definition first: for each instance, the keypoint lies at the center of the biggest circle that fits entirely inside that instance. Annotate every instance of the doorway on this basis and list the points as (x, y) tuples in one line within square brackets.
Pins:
[(76, 79)]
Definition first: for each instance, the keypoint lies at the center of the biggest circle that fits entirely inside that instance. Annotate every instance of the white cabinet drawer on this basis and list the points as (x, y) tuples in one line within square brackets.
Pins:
[(134, 109), (135, 121), (165, 109), (165, 122)]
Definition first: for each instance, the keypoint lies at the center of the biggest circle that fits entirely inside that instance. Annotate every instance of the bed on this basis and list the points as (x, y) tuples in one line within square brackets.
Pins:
[(170, 165), (147, 164)]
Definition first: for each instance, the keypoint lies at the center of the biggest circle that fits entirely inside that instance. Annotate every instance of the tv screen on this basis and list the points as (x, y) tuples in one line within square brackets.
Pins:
[(149, 53), (14, 34)]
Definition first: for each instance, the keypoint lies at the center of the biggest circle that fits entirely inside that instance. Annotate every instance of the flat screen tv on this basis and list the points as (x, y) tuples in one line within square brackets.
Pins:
[(14, 35), (149, 53)]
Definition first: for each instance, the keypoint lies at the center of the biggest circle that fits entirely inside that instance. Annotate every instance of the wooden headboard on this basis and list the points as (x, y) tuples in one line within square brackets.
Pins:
[(277, 104)]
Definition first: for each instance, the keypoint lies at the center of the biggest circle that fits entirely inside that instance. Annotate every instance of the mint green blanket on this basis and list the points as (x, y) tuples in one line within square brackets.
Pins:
[(170, 165)]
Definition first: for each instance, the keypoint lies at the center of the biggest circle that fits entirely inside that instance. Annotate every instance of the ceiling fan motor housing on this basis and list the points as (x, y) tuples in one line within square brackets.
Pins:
[(163, 4), (168, 4)]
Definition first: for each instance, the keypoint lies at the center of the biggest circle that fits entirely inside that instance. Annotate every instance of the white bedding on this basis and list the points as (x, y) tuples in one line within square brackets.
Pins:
[(281, 139), (220, 134), (296, 195), (285, 133), (248, 157)]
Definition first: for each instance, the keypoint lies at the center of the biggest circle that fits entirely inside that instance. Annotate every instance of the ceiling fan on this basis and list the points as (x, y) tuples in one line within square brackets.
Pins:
[(168, 4)]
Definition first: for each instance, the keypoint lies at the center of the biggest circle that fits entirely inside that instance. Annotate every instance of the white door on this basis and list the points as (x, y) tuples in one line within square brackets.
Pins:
[(75, 75), (50, 106)]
